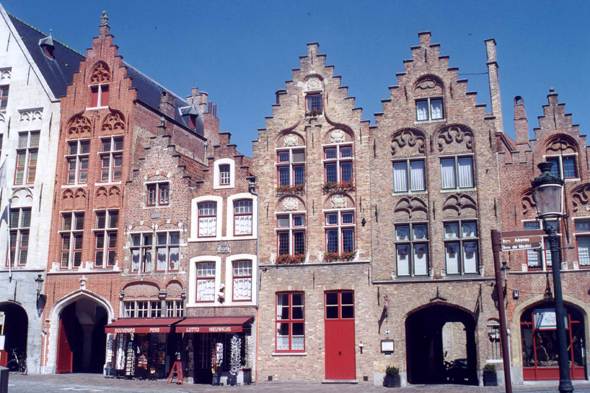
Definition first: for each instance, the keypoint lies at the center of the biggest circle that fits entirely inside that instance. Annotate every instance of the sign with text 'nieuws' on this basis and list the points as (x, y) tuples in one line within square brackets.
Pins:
[(522, 240)]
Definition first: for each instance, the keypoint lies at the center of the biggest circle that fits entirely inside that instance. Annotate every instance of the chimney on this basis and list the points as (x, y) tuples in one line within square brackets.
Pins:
[(104, 29), (167, 106), (494, 84), (521, 124)]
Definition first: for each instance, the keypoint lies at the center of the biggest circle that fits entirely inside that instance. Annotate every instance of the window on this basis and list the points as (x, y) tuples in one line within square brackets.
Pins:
[(143, 309), (408, 175), (290, 322), (461, 247), (339, 305), (129, 309), (105, 234), (243, 217), (206, 282), (100, 96), (20, 222), (111, 158), (456, 172), (291, 167), (313, 104), (539, 259), (429, 109), (141, 252), (338, 163), (174, 308), (3, 97), (77, 161), (207, 219), (411, 244), (291, 234), (224, 175), (26, 157), (563, 167), (340, 231), (72, 235), (158, 194), (242, 280), (168, 250)]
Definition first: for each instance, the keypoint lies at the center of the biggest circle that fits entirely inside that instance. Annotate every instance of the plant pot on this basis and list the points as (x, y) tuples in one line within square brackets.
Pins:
[(392, 381), (490, 378), (247, 376)]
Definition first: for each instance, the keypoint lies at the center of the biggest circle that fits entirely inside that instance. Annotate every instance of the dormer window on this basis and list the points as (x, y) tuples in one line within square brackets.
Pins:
[(46, 45), (100, 96), (190, 114), (314, 104), (192, 121), (429, 109)]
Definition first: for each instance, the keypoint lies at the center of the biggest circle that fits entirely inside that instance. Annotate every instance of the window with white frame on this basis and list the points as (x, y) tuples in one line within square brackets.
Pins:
[(129, 308), (72, 236), (205, 282), (158, 194), (564, 166), (313, 104), (105, 235), (411, 244), (141, 252), (174, 308), (429, 109), (26, 157), (4, 97), (168, 250), (207, 219), (583, 241), (408, 175), (99, 96), (224, 175), (143, 309), (456, 172), (243, 217), (291, 233), (111, 158), (291, 167), (338, 163), (340, 231), (77, 161), (20, 223), (540, 259), (461, 247), (242, 280)]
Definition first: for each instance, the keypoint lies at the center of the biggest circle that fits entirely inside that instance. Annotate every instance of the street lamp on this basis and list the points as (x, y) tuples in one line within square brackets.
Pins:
[(548, 194)]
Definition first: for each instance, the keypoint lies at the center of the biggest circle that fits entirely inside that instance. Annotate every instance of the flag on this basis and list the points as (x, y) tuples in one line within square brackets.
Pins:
[(3, 175)]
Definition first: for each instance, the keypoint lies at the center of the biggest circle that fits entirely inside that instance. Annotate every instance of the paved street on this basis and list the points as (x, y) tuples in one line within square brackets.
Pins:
[(96, 383)]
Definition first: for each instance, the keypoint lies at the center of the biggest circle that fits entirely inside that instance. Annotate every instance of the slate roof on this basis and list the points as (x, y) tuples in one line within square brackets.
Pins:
[(58, 71)]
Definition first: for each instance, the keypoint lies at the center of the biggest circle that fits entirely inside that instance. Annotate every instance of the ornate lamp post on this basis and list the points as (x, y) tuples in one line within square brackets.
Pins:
[(548, 194)]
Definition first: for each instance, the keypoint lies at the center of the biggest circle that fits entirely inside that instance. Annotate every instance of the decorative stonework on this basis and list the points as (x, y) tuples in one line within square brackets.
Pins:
[(559, 143), (338, 201), (411, 207), (430, 85), (104, 19), (290, 204), (408, 140), (290, 140), (455, 135), (31, 114), (5, 75), (528, 203), (337, 136), (581, 197), (460, 205), (80, 126), (113, 123), (100, 73), (313, 84)]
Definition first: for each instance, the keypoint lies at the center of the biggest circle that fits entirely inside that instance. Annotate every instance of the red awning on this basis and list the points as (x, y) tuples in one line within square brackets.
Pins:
[(141, 325), (212, 325)]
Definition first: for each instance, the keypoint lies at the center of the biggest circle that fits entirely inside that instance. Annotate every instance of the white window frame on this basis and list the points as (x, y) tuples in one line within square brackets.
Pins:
[(291, 229), (217, 173), (195, 218), (461, 240), (158, 203), (230, 282), (338, 160), (27, 150), (545, 248), (142, 247), (230, 216), (78, 156), (99, 103), (427, 100), (561, 171), (290, 164), (457, 186), (71, 233), (411, 242), (192, 288), (340, 227), (19, 230), (105, 232), (135, 310), (408, 162), (110, 154), (167, 246), (177, 309)]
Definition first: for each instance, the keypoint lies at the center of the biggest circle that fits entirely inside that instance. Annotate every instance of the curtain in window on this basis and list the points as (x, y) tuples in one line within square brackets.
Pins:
[(297, 338), (243, 225), (436, 109), (148, 259), (208, 226), (447, 172), (282, 336), (206, 290), (417, 175), (584, 250), (400, 177), (174, 252), (470, 257), (533, 260), (403, 258), (134, 260), (422, 110), (547, 251), (465, 172), (452, 256), (162, 256), (242, 288), (420, 259)]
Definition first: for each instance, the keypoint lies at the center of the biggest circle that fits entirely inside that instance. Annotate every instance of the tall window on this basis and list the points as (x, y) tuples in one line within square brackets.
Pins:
[(72, 235), (105, 234), (338, 163), (143, 309), (111, 158), (174, 308), (456, 172), (243, 217), (408, 175), (158, 194), (429, 109), (340, 231), (168, 249), (77, 158), (291, 167), (206, 282), (540, 259), (411, 249), (20, 222), (3, 97), (291, 234), (26, 157), (314, 104), (100, 95), (563, 167), (224, 175), (207, 219), (583, 240), (461, 247), (242, 280), (141, 252), (290, 322)]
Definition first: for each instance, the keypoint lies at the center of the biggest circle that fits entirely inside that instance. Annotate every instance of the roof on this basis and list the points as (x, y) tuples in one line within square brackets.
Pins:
[(150, 93), (58, 71)]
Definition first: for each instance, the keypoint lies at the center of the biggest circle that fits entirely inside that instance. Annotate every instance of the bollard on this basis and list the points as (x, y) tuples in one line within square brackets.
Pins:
[(4, 372)]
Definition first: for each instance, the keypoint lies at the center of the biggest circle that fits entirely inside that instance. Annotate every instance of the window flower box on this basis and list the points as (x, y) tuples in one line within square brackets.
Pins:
[(286, 259), (331, 186), (315, 112), (346, 256), (299, 189)]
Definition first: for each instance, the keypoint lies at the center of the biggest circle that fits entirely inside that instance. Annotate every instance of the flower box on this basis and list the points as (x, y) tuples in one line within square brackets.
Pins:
[(315, 112), (286, 259), (299, 189), (330, 186), (346, 256)]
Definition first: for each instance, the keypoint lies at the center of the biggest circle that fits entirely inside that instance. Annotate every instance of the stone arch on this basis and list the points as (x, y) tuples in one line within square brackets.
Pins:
[(561, 143), (113, 123), (338, 134), (408, 141), (67, 200), (411, 208), (440, 303), (114, 197), (428, 86), (100, 73), (101, 197), (80, 199), (145, 289), (174, 289), (21, 197), (459, 205), (290, 203), (172, 225), (581, 197), (290, 138), (454, 138), (338, 200), (79, 126)]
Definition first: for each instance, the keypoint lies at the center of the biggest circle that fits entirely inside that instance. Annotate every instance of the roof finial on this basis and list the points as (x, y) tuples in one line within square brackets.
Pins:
[(50, 32), (104, 19)]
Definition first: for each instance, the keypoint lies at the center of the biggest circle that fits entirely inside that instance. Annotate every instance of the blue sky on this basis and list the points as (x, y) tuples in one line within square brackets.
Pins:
[(242, 52)]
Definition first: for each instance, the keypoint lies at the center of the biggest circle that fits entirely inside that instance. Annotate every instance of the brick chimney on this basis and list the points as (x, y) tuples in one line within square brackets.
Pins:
[(167, 105), (494, 84), (521, 124)]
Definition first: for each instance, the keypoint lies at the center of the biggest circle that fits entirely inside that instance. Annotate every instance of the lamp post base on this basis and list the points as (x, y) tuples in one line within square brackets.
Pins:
[(565, 386)]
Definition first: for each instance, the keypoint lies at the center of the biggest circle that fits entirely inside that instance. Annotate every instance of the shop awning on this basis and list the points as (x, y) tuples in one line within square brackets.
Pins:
[(141, 325), (212, 325)]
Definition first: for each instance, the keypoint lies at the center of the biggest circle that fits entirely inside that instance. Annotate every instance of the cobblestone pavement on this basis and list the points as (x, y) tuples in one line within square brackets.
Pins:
[(97, 383)]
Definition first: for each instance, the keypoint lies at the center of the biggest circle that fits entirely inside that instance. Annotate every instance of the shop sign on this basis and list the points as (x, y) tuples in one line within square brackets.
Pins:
[(208, 329), (142, 329), (545, 319)]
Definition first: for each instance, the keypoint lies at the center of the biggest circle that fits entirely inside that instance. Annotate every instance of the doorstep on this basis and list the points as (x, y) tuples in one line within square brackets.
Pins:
[(351, 381)]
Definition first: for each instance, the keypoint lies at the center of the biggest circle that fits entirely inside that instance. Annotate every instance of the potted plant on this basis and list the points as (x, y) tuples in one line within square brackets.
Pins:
[(489, 375), (392, 379)]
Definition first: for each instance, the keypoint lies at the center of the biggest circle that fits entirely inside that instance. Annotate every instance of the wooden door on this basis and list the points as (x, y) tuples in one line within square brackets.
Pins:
[(65, 355), (339, 335)]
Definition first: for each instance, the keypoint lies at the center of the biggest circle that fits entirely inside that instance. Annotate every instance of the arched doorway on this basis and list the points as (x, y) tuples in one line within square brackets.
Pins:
[(16, 329), (539, 342), (81, 342), (441, 346)]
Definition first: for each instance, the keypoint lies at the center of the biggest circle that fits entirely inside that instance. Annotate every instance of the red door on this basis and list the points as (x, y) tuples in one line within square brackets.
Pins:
[(64, 351), (339, 324)]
